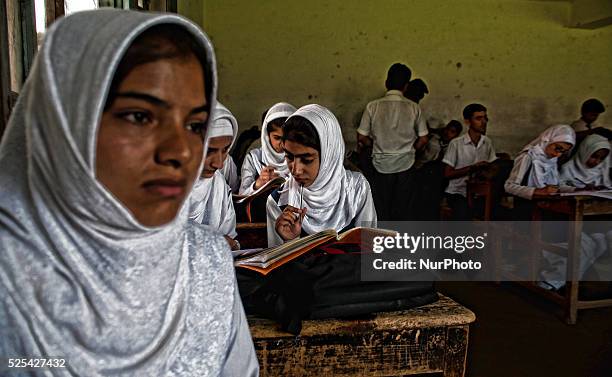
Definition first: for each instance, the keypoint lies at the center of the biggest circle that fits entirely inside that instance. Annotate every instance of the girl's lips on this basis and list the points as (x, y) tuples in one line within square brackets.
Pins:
[(166, 187)]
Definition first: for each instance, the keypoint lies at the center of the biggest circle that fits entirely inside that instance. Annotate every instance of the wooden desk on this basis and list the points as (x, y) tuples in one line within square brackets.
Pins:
[(576, 207), (432, 338)]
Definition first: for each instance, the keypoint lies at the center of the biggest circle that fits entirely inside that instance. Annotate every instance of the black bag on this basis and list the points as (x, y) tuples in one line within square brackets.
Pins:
[(318, 285)]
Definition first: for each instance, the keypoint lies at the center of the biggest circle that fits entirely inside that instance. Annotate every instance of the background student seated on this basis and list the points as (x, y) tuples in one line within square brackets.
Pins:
[(267, 162), (211, 200), (535, 173), (464, 155), (590, 167), (320, 194)]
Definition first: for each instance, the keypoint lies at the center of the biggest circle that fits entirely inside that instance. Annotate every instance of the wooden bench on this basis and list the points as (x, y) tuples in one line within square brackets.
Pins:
[(429, 339)]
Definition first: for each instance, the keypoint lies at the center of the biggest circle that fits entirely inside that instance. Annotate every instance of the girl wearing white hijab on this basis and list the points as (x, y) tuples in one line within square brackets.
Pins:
[(320, 194), (211, 199), (590, 166), (99, 264), (535, 172), (268, 162)]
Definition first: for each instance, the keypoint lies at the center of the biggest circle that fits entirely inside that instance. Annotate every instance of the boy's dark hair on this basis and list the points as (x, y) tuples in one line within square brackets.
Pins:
[(456, 125), (275, 124), (470, 109), (299, 130), (398, 76), (592, 105), (418, 86), (165, 41)]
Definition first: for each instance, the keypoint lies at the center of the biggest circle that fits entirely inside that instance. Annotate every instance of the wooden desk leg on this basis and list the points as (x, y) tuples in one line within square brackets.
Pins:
[(536, 232), (456, 351), (573, 264)]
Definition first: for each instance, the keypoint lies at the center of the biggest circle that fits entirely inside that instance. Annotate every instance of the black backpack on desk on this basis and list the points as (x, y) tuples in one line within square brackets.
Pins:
[(318, 285)]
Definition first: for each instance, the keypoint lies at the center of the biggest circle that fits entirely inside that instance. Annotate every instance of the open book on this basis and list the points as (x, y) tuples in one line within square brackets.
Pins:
[(606, 194), (267, 187), (268, 259)]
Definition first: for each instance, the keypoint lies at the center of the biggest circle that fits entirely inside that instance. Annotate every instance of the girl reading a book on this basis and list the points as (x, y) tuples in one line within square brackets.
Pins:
[(268, 162), (589, 168), (535, 173), (319, 194), (101, 270), (211, 200)]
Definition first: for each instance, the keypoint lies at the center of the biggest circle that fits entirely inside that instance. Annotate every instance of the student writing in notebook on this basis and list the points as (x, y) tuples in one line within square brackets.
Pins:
[(589, 169), (268, 162), (535, 173), (320, 194), (211, 201)]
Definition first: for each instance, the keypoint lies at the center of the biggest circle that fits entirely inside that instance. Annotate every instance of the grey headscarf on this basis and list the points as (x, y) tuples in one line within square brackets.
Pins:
[(80, 278)]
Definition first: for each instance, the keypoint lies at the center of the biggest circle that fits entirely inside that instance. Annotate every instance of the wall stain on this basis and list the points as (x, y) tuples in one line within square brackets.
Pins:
[(458, 65)]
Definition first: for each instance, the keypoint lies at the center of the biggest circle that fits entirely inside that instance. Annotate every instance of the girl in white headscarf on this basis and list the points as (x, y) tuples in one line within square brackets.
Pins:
[(320, 194), (100, 265), (535, 173), (590, 166), (268, 162), (211, 199)]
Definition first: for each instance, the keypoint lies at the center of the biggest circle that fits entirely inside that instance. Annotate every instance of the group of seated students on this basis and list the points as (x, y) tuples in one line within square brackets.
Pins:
[(305, 146)]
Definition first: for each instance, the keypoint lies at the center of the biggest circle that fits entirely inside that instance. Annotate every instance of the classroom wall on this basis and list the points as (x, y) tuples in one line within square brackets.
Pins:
[(515, 56)]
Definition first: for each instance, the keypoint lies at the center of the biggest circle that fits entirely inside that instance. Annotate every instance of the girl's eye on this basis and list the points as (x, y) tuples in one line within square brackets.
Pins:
[(196, 127), (289, 157), (306, 162), (136, 117)]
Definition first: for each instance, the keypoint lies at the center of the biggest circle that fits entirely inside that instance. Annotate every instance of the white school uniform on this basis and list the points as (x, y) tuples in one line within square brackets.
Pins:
[(337, 199), (394, 123), (259, 158), (462, 152), (532, 160), (575, 172)]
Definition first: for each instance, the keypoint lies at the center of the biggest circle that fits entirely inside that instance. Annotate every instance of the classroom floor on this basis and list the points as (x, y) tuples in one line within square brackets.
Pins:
[(517, 333)]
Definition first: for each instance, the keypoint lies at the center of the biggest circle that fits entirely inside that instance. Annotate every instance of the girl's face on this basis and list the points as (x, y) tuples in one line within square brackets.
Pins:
[(276, 138), (303, 162), (597, 157), (557, 149), (218, 148), (150, 143)]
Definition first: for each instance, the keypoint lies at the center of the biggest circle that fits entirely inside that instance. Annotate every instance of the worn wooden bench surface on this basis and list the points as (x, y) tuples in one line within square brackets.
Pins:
[(432, 338)]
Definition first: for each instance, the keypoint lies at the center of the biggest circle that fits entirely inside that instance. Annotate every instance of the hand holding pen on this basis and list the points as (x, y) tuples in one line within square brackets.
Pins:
[(289, 223)]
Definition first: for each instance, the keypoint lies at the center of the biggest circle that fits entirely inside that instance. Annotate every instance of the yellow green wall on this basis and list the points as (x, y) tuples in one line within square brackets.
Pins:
[(515, 56)]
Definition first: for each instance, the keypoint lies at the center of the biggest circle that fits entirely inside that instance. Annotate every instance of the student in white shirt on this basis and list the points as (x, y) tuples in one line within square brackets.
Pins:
[(466, 154), (320, 194), (267, 162), (590, 167), (436, 146), (535, 173), (395, 127), (211, 200)]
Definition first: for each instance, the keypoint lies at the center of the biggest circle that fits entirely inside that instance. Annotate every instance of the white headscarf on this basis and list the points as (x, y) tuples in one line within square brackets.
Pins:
[(269, 156), (335, 197), (576, 173), (544, 169), (223, 124), (210, 199), (80, 278)]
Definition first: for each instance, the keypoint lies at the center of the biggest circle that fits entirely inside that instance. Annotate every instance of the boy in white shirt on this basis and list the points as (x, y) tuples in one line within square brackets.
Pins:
[(395, 128), (466, 154)]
